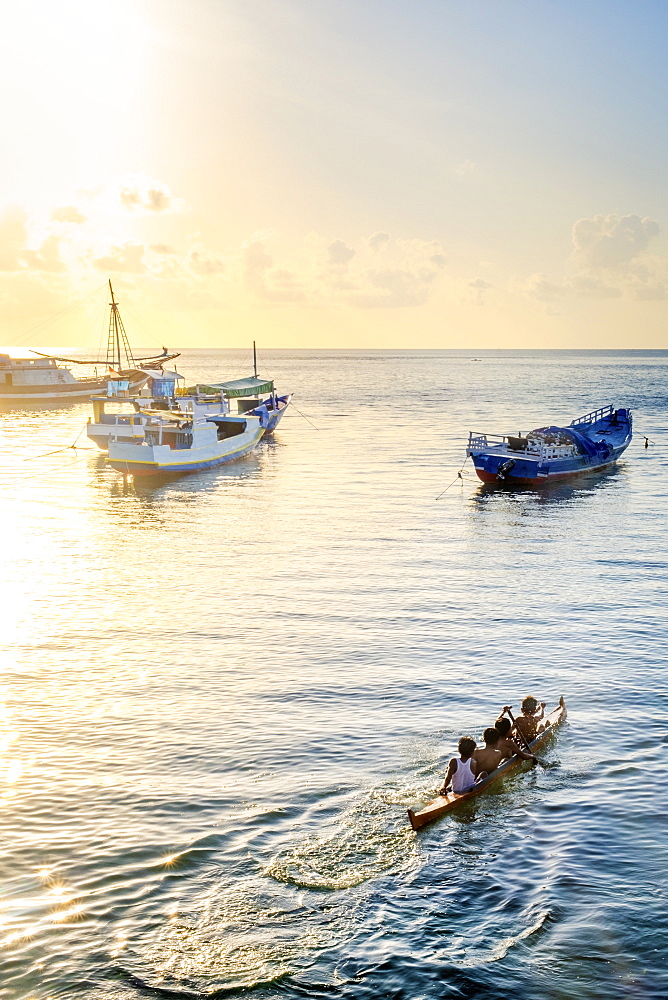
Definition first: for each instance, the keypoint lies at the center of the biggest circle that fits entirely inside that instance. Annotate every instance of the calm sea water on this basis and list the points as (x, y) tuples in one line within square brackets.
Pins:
[(220, 694)]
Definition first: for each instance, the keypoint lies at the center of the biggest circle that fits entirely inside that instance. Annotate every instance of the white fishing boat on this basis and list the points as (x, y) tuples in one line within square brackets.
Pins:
[(44, 379), (178, 442), (125, 416)]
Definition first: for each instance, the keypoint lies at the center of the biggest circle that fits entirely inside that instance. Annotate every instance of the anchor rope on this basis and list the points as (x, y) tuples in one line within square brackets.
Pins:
[(458, 476), (57, 451)]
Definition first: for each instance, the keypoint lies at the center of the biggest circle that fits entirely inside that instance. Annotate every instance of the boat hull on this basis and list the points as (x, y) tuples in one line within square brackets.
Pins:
[(443, 804), (539, 479), (140, 459), (63, 391), (274, 416)]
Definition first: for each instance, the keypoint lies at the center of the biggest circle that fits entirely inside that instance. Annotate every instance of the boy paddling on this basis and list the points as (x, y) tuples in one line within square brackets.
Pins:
[(528, 723), (507, 746)]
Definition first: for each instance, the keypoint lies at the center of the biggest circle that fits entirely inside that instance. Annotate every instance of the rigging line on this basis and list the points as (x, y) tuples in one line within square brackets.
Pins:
[(49, 469), (305, 417), (54, 319), (458, 476), (57, 451), (135, 319)]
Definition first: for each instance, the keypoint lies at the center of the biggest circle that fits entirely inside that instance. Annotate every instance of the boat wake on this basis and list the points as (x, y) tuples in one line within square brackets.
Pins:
[(480, 955), (366, 843)]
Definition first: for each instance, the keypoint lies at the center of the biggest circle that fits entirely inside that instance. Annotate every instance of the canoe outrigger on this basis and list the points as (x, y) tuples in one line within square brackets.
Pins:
[(444, 803)]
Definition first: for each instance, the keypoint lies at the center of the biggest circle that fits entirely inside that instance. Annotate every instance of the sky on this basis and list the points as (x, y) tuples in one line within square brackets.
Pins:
[(336, 173)]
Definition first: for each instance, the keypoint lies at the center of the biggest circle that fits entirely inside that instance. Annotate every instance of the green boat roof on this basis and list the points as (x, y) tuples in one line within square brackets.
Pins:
[(237, 387)]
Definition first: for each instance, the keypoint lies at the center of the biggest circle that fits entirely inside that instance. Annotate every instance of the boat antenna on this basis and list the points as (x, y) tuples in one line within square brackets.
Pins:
[(254, 360), (116, 335)]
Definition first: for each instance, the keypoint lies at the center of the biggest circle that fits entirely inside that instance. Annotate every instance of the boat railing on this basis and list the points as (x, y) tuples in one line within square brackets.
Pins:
[(478, 441), (591, 418), (516, 446)]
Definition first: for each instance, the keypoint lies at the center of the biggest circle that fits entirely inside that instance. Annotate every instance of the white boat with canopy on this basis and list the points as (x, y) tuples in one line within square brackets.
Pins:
[(185, 441)]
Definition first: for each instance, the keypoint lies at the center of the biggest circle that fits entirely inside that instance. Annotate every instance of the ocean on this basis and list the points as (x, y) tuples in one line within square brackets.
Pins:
[(221, 692)]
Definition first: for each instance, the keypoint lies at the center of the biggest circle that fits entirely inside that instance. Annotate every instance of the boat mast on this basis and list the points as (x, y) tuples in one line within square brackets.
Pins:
[(254, 360), (116, 335)]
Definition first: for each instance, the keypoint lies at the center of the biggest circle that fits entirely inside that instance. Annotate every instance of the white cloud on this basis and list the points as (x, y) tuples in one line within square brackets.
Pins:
[(480, 286), (609, 260), (203, 261), (468, 168), (608, 240), (46, 257), (339, 254), (143, 194), (13, 236), (378, 241), (68, 213), (593, 287), (126, 258), (539, 286)]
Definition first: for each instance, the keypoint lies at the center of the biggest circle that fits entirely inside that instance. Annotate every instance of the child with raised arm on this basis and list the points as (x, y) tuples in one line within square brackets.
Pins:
[(527, 724), (506, 746), (463, 771)]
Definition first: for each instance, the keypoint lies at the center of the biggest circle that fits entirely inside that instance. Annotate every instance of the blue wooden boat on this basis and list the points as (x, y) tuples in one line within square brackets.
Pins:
[(546, 454)]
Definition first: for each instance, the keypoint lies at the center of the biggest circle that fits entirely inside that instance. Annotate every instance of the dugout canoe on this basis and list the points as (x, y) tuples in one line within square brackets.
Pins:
[(444, 803)]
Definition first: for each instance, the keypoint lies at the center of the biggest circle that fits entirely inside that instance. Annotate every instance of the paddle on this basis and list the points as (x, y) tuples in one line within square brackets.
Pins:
[(527, 747)]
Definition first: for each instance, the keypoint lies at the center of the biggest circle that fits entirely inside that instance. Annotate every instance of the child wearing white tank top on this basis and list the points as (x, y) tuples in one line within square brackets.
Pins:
[(463, 771)]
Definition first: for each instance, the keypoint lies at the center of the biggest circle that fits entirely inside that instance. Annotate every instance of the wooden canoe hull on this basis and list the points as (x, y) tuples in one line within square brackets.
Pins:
[(444, 803)]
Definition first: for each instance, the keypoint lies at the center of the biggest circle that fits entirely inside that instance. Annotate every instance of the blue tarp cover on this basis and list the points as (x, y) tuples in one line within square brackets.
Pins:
[(584, 444)]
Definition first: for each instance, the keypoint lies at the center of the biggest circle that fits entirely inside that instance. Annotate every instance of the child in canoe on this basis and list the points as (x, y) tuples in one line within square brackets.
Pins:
[(488, 757), (463, 771), (528, 723), (506, 746)]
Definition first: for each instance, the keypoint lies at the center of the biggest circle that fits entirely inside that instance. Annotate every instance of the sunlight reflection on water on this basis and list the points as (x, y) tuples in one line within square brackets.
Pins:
[(221, 692)]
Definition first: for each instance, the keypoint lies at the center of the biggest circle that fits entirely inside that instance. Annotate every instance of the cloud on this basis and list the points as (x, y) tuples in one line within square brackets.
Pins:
[(649, 293), (46, 257), (590, 286), (378, 241), (609, 260), (68, 213), (406, 279), (339, 254), (202, 261), (265, 281), (146, 195), (480, 286), (608, 241), (126, 257), (13, 235), (255, 263), (466, 169), (398, 287), (538, 286)]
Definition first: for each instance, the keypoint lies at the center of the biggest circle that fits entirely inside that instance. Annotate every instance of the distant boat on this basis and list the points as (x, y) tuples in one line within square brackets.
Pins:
[(42, 378), (589, 443)]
